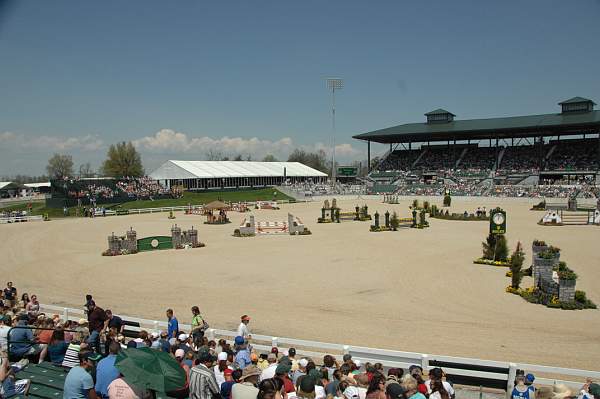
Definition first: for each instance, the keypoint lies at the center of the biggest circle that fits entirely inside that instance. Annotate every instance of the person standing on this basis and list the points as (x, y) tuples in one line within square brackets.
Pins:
[(113, 321), (10, 295), (173, 324), (198, 324), (97, 318), (246, 389), (242, 358), (202, 380), (79, 383), (243, 330)]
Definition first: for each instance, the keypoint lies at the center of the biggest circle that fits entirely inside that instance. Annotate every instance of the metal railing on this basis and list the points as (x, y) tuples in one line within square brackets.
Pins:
[(17, 219), (476, 369)]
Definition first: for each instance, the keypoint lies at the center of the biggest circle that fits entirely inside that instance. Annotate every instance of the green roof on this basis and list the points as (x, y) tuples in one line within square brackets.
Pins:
[(439, 111), (478, 129), (576, 100)]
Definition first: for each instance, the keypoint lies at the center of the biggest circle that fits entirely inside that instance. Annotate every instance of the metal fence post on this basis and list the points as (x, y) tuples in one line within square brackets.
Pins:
[(274, 342), (66, 314), (510, 384), (425, 362)]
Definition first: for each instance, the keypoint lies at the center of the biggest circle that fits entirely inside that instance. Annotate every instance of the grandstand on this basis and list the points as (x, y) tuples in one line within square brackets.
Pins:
[(473, 156), (204, 175)]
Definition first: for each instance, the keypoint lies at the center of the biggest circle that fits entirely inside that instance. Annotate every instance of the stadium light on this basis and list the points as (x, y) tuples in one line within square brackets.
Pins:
[(333, 84)]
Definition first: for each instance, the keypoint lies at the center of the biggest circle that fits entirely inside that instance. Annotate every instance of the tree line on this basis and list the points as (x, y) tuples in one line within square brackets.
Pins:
[(123, 159)]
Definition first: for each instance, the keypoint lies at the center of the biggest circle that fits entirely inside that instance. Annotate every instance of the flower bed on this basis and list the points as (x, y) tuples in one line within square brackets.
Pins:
[(535, 295), (460, 216), (489, 262)]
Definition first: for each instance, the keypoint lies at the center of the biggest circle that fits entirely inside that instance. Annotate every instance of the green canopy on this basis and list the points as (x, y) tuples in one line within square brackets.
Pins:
[(150, 369)]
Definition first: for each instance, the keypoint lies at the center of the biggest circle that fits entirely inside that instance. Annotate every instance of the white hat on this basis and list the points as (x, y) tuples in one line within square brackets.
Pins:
[(183, 337), (180, 353), (155, 335), (357, 363), (303, 362), (222, 356), (173, 341)]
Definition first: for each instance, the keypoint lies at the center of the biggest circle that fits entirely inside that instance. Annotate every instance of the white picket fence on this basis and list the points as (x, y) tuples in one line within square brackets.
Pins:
[(17, 219), (545, 375)]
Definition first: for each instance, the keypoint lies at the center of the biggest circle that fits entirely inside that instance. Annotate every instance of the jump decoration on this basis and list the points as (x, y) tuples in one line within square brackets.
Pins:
[(480, 215), (553, 281), (571, 214), (333, 214), (447, 198), (266, 205), (130, 244), (495, 247), (390, 199), (250, 227)]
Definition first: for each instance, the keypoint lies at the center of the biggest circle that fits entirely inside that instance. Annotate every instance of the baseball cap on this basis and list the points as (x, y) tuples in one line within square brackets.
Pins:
[(530, 377), (222, 356), (303, 362), (183, 337), (283, 368), (239, 340), (395, 391), (180, 353)]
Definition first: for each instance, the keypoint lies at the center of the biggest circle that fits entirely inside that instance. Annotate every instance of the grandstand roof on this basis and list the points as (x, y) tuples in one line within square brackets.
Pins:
[(478, 129), (172, 170)]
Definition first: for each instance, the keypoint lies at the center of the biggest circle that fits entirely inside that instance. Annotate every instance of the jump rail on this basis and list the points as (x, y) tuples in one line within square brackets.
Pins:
[(16, 219), (469, 371)]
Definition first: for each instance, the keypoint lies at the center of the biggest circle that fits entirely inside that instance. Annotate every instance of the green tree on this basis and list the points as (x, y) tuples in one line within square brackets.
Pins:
[(394, 221), (516, 264), (60, 166), (123, 159), (495, 247), (269, 158)]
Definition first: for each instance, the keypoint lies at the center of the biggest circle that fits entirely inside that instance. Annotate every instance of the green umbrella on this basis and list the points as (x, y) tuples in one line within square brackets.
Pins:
[(150, 369)]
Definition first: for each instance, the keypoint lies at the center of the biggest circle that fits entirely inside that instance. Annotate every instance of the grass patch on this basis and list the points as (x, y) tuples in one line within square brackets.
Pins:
[(194, 198)]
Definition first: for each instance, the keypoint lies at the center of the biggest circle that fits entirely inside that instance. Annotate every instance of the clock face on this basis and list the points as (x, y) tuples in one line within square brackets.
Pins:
[(498, 218)]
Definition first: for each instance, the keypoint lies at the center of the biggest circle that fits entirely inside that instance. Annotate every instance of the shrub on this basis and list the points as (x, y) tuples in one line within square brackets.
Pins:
[(394, 221), (426, 205), (539, 243), (516, 264)]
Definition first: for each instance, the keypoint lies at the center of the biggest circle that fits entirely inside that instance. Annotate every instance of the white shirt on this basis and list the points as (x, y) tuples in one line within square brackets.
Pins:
[(243, 330), (4, 338), (219, 376), (269, 372), (320, 392), (446, 385)]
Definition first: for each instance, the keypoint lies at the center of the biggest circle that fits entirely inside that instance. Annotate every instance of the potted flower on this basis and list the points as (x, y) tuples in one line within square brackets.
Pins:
[(538, 246)]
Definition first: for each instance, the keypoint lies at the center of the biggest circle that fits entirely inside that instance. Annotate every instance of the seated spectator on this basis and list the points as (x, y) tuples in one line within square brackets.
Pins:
[(5, 323), (22, 340), (33, 307), (57, 347), (9, 385), (271, 388), (72, 354), (410, 386), (121, 389), (246, 388), (106, 372), (79, 383)]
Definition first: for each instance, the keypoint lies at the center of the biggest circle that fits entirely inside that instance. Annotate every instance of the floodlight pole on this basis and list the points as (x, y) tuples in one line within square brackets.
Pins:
[(333, 84)]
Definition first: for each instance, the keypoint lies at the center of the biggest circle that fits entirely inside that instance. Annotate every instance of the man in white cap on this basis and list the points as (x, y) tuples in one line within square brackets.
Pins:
[(243, 330), (269, 372), (220, 368), (302, 363), (182, 342)]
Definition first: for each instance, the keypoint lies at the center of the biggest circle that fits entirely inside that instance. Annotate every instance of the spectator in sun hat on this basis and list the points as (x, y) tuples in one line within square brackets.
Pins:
[(247, 389), (243, 330), (220, 368), (242, 358)]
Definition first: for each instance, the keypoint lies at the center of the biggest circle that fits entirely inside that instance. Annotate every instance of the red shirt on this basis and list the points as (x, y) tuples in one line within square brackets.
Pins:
[(422, 388), (288, 384), (44, 336)]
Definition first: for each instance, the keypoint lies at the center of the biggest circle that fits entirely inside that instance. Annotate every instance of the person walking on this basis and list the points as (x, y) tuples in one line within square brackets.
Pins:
[(173, 325), (198, 324)]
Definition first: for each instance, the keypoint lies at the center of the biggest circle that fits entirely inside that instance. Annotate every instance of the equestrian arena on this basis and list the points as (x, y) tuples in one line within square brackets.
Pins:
[(411, 290)]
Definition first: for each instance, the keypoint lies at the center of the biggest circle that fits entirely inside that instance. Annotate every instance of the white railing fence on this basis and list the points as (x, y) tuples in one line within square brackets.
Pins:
[(17, 219), (457, 366)]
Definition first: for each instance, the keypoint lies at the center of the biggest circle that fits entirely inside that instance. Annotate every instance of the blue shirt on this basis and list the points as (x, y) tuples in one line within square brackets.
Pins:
[(243, 358), (24, 336), (77, 384), (106, 372), (173, 327)]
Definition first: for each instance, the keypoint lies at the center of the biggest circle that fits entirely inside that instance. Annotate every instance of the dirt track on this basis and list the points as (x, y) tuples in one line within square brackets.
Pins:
[(413, 290)]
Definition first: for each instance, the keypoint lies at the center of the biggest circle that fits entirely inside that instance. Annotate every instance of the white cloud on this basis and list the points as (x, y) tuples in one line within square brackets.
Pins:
[(45, 143), (167, 141)]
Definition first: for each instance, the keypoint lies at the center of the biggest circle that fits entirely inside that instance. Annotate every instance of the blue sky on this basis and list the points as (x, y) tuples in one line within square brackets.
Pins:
[(248, 77)]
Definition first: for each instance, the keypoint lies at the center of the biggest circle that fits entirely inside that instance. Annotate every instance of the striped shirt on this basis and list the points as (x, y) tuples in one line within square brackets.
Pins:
[(202, 383), (71, 358)]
